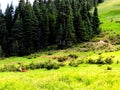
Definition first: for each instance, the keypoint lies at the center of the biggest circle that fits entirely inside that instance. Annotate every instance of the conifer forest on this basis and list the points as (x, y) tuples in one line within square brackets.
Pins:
[(28, 28)]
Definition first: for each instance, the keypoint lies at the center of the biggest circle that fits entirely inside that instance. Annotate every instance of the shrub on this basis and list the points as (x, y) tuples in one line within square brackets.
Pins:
[(74, 56), (31, 56), (46, 64), (51, 65), (40, 65), (32, 66), (61, 64), (117, 62), (75, 63), (62, 59), (100, 60), (109, 60), (9, 68), (109, 68), (49, 53), (91, 61)]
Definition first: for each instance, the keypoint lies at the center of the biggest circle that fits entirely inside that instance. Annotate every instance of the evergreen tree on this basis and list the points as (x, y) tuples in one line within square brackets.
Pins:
[(9, 25), (52, 21), (21, 8), (96, 21), (15, 48), (3, 30), (66, 19), (1, 51), (30, 26), (18, 35), (86, 20), (62, 22), (81, 34), (38, 13), (45, 31)]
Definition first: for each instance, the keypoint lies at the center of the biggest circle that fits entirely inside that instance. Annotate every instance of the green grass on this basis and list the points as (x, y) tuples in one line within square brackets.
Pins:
[(83, 77), (109, 13)]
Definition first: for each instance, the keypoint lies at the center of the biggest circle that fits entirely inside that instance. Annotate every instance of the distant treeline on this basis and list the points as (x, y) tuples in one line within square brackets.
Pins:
[(30, 28)]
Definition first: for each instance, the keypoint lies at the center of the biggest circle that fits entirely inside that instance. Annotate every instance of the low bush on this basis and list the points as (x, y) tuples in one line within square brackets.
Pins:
[(109, 60), (62, 59), (91, 61), (31, 56), (117, 62), (100, 60), (32, 66), (75, 63), (52, 65), (74, 56), (114, 39), (49, 53), (109, 68), (61, 64), (9, 68)]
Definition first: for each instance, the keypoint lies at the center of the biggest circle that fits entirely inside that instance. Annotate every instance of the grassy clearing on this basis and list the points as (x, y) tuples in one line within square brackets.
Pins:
[(85, 77)]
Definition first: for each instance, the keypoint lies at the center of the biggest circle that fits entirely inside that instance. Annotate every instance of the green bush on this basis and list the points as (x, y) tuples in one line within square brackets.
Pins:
[(31, 56), (109, 68), (61, 64), (40, 65), (52, 65), (9, 68), (75, 63), (49, 53), (91, 61), (32, 66), (109, 60), (117, 62), (47, 64), (74, 56), (100, 60), (62, 59)]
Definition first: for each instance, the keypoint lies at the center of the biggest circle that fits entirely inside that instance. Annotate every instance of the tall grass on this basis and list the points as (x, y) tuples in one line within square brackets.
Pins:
[(85, 77)]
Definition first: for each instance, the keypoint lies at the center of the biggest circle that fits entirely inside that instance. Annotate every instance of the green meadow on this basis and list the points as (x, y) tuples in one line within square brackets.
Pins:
[(98, 67), (109, 13)]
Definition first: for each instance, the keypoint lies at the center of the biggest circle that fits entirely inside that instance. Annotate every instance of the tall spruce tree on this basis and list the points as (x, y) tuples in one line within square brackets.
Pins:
[(38, 13), (3, 41), (66, 19), (30, 25), (86, 20), (9, 25), (45, 31), (52, 21), (96, 21)]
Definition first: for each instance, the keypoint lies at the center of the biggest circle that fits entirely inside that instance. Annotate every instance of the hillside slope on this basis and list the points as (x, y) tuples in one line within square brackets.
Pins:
[(109, 14)]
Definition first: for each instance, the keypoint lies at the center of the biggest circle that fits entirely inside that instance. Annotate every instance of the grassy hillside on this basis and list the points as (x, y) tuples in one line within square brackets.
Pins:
[(109, 13), (90, 74)]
